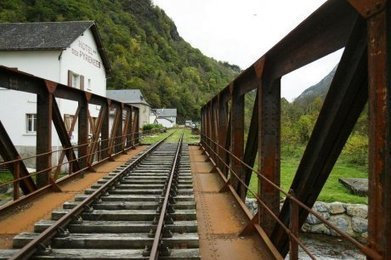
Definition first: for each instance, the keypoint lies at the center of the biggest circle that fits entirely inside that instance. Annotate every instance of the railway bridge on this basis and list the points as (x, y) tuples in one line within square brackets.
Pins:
[(175, 201)]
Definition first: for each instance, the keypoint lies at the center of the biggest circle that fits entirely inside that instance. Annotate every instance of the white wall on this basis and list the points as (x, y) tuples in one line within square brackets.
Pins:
[(166, 123), (81, 57)]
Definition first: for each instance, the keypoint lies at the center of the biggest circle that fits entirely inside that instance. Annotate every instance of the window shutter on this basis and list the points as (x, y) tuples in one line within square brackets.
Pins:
[(70, 78), (81, 82)]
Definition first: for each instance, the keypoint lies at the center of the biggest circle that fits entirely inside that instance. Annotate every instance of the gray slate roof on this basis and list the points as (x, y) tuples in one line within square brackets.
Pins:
[(129, 96), (47, 36), (166, 112)]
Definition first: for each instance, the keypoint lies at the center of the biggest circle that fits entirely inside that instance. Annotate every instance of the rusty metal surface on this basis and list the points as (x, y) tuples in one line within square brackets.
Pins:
[(379, 65), (9, 153), (343, 105), (48, 112), (334, 25), (218, 217)]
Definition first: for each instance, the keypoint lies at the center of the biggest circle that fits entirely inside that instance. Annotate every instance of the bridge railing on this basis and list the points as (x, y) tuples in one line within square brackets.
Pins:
[(363, 28), (113, 131), (292, 230)]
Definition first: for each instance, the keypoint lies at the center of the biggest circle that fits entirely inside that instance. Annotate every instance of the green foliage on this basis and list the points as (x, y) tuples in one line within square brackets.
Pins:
[(332, 191), (188, 137), (356, 150), (148, 127), (144, 48)]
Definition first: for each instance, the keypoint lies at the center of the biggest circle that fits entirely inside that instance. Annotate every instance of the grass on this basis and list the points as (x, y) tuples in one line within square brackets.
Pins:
[(332, 191), (187, 138), (5, 176)]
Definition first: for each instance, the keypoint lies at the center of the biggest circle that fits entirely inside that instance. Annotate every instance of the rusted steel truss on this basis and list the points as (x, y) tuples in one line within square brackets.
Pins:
[(363, 75), (94, 143)]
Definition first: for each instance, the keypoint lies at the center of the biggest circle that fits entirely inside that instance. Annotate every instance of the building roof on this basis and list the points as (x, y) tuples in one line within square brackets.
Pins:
[(166, 112), (128, 96), (47, 36)]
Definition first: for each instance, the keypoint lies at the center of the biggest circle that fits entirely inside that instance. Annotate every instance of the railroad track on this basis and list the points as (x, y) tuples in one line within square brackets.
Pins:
[(144, 209)]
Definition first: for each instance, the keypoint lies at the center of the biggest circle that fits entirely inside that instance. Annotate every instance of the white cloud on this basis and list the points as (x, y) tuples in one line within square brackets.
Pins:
[(242, 31)]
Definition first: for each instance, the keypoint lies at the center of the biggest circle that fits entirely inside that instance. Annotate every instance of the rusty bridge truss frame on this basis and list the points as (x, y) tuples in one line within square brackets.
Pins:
[(363, 28), (91, 149)]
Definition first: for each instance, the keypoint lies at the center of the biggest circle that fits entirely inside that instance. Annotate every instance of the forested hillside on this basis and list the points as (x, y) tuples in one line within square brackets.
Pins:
[(143, 46), (298, 119)]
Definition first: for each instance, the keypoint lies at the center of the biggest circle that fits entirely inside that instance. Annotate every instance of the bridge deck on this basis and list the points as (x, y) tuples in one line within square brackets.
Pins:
[(219, 220)]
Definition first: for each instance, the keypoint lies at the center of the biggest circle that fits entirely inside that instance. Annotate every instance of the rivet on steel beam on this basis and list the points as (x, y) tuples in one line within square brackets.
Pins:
[(368, 8)]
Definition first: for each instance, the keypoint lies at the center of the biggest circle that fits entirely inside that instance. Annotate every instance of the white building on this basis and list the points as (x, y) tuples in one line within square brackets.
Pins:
[(135, 98), (69, 53), (165, 117)]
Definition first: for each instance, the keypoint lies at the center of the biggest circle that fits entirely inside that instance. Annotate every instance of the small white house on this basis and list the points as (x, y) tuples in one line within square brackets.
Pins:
[(135, 98), (70, 53), (165, 116)]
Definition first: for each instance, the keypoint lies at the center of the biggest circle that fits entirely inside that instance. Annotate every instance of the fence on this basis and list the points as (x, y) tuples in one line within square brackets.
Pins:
[(115, 130)]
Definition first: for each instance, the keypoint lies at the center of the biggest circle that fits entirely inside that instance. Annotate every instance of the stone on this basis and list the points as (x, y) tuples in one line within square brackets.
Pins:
[(341, 222), (320, 229), (357, 210), (321, 206), (357, 186), (336, 208), (359, 225), (306, 227), (311, 219)]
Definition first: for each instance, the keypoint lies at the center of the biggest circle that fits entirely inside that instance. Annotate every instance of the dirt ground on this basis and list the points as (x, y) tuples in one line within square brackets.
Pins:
[(24, 218)]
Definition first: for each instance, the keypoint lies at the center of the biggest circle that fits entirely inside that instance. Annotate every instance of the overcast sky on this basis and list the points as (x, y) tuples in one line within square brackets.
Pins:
[(241, 31)]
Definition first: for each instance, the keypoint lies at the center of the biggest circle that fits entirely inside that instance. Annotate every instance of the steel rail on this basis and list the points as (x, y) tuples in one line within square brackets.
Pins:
[(159, 229), (29, 249), (24, 198)]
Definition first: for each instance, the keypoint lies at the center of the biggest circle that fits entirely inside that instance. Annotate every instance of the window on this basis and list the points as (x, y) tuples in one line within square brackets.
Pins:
[(68, 119), (89, 85), (75, 80), (31, 123)]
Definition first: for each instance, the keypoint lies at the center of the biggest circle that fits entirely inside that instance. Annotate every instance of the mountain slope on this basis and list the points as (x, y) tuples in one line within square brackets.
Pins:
[(143, 46), (318, 90)]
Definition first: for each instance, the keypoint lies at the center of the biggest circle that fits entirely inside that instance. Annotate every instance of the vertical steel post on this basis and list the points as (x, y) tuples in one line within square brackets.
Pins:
[(82, 139), (209, 126), (215, 121), (118, 135), (223, 129), (104, 134), (294, 228), (379, 62), (237, 136), (137, 125), (269, 148), (44, 137), (16, 177)]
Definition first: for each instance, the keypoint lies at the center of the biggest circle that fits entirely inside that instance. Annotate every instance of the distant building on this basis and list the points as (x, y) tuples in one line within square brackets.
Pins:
[(165, 116), (70, 53), (135, 98)]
